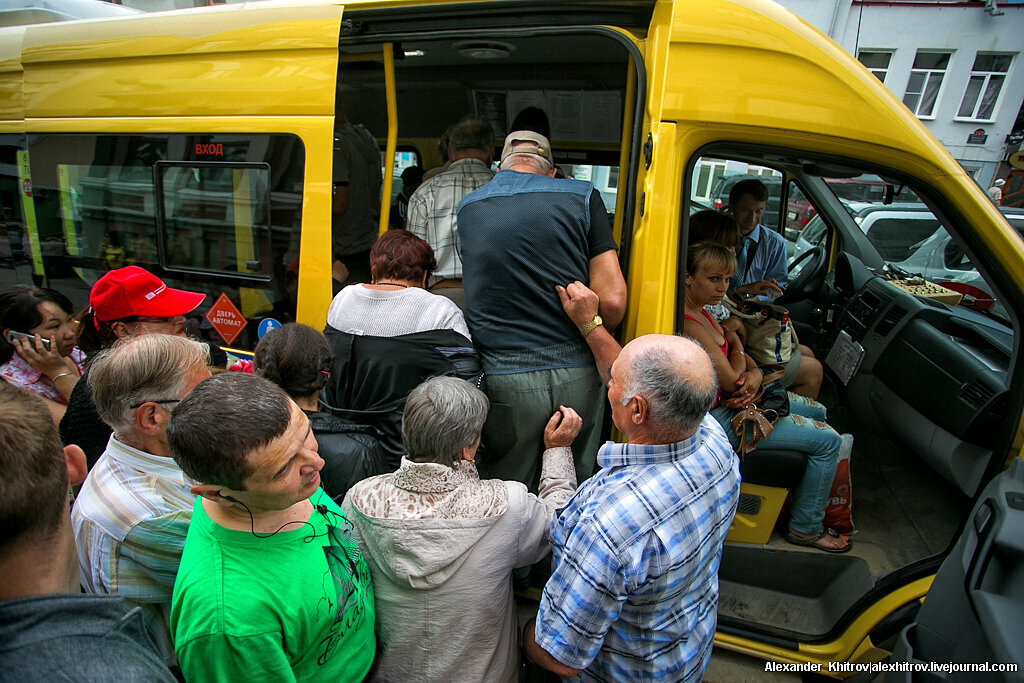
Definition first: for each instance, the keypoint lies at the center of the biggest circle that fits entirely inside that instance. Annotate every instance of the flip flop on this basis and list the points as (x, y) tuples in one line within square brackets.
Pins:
[(812, 541)]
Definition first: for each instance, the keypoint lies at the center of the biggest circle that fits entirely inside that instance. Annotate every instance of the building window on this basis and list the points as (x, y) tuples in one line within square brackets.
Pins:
[(925, 81), (876, 61), (983, 89)]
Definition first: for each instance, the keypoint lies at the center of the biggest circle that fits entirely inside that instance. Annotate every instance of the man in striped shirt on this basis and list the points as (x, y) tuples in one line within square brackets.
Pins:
[(431, 212), (634, 591), (133, 512)]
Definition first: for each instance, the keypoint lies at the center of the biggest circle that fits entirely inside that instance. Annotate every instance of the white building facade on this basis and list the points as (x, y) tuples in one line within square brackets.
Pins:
[(957, 65)]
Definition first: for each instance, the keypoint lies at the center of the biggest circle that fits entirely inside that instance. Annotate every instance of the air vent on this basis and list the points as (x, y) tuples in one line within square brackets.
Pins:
[(976, 394), (749, 505), (890, 320)]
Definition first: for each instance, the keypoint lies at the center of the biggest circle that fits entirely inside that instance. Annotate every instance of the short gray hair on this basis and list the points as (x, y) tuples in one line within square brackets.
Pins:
[(675, 401), (149, 367), (537, 163), (442, 416), (471, 132)]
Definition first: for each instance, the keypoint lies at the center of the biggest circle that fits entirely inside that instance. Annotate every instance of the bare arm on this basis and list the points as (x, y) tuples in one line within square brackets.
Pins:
[(728, 369), (581, 305), (541, 657), (607, 281)]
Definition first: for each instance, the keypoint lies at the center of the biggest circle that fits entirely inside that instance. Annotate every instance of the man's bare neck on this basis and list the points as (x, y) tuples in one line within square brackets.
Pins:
[(237, 518)]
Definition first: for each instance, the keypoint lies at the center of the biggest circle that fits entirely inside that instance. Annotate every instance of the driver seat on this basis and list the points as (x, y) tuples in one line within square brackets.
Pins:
[(767, 478)]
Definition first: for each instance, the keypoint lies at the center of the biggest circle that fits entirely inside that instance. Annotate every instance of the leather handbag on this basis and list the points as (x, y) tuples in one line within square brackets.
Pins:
[(752, 423)]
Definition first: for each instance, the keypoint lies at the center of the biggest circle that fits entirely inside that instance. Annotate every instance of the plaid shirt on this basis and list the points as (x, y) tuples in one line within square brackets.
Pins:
[(634, 592), (130, 520), (432, 212)]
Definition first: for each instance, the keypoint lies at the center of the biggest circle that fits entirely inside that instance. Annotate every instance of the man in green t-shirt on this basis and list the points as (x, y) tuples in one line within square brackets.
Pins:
[(271, 585)]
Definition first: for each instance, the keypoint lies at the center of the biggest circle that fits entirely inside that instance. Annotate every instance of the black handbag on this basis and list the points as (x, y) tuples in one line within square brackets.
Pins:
[(774, 395)]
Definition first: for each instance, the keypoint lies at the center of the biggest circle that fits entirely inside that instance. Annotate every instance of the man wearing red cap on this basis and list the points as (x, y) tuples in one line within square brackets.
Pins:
[(126, 302)]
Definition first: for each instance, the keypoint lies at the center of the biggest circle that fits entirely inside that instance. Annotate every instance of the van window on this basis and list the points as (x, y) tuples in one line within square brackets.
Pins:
[(214, 213)]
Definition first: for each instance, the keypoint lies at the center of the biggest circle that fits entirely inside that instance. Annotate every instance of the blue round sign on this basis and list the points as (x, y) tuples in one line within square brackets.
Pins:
[(266, 325)]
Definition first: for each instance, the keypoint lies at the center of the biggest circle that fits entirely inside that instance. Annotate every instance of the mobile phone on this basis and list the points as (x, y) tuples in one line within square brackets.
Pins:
[(30, 338)]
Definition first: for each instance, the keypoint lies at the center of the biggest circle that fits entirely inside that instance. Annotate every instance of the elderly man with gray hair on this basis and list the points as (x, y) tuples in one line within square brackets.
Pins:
[(441, 543), (634, 591), (431, 211), (522, 234), (133, 512)]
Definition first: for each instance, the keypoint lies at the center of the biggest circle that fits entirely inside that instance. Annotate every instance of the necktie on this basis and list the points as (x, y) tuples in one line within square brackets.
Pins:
[(741, 260)]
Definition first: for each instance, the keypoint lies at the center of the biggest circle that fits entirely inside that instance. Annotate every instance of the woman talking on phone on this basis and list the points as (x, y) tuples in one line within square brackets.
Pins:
[(37, 348)]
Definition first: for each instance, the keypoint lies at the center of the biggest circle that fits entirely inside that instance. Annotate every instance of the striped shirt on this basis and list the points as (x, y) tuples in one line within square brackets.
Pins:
[(634, 592), (130, 520), (432, 212)]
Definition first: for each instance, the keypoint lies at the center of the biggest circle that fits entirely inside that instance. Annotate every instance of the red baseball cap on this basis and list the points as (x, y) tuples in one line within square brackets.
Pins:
[(131, 291)]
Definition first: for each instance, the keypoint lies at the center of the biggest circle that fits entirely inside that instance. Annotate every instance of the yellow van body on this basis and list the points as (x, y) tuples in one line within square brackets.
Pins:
[(699, 74)]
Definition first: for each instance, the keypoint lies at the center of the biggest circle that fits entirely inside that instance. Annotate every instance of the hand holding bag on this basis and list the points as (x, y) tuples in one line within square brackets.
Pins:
[(752, 423)]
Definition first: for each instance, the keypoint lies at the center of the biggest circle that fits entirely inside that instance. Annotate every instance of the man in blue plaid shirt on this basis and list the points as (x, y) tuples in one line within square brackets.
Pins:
[(634, 591)]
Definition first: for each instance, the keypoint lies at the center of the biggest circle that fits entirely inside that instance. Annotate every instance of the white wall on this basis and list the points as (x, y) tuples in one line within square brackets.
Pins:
[(964, 30)]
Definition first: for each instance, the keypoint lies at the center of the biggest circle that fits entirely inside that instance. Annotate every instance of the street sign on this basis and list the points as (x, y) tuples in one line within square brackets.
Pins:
[(226, 318), (978, 137), (266, 325)]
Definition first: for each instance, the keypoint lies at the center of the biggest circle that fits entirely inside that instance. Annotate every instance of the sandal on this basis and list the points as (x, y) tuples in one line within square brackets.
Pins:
[(812, 541)]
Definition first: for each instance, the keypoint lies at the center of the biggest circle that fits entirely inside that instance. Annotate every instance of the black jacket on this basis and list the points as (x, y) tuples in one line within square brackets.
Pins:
[(372, 376), (351, 453)]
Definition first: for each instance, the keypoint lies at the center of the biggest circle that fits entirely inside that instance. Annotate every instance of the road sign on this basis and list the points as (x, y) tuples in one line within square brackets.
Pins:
[(266, 325), (226, 318)]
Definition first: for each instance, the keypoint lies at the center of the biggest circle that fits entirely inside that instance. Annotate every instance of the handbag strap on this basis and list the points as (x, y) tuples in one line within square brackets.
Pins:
[(770, 373), (762, 425)]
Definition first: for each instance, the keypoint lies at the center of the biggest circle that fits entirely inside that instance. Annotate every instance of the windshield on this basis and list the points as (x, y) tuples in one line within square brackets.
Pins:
[(913, 242)]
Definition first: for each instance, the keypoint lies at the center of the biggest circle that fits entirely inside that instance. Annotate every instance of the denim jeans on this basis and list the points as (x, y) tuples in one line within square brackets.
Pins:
[(803, 430)]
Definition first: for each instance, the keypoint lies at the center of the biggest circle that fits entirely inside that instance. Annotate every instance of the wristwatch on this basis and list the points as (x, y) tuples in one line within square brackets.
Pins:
[(589, 327)]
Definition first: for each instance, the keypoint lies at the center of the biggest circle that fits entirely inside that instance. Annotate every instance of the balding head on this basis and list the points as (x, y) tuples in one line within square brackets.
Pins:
[(676, 379)]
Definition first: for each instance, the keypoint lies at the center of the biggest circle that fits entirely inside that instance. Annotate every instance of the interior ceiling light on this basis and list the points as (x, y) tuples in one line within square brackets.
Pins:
[(484, 49), (414, 53)]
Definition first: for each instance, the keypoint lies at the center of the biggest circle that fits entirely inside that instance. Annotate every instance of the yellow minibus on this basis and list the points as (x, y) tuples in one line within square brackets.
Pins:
[(198, 144)]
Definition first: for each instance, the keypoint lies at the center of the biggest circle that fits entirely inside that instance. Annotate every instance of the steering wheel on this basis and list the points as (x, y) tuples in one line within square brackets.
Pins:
[(804, 273)]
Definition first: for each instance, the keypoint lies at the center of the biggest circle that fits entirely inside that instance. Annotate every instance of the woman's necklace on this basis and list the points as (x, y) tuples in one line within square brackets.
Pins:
[(393, 284)]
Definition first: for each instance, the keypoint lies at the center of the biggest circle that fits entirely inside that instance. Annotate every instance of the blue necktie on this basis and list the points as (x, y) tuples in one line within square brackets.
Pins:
[(741, 263)]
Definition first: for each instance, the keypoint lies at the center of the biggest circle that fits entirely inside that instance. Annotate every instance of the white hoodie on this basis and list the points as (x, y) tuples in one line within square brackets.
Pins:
[(441, 545)]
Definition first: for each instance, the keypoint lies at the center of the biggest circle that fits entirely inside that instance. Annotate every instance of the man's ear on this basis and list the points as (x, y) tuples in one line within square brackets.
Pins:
[(74, 459), (150, 419), (120, 330), (552, 172), (640, 408), (211, 492)]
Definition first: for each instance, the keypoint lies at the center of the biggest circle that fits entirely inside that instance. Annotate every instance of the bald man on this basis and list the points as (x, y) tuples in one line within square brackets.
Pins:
[(634, 591)]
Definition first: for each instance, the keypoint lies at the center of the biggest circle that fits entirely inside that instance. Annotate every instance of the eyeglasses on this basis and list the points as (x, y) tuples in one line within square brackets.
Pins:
[(166, 400)]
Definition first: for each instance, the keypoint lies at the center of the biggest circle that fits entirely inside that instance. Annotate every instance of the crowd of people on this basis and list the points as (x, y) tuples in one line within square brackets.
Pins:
[(359, 505)]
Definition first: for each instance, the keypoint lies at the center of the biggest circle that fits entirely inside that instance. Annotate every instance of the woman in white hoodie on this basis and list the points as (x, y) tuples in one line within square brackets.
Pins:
[(441, 543)]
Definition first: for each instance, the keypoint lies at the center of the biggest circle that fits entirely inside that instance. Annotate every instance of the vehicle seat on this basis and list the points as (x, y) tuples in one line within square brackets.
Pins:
[(768, 476)]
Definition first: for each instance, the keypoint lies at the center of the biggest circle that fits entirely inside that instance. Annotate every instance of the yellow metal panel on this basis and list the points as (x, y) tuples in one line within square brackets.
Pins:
[(655, 244), (854, 643), (10, 73), (245, 60)]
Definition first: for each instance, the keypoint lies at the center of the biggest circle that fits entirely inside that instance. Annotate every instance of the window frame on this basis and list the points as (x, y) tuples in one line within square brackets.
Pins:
[(980, 95), (159, 205), (927, 73), (874, 69)]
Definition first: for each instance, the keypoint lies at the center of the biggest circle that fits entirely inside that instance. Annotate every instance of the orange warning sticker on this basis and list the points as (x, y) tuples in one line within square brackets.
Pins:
[(226, 318)]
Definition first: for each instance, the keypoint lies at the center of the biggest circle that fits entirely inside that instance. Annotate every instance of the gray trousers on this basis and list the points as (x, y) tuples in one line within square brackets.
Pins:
[(521, 405)]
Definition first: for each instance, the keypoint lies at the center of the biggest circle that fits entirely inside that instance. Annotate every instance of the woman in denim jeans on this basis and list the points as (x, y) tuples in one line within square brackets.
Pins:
[(709, 267)]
